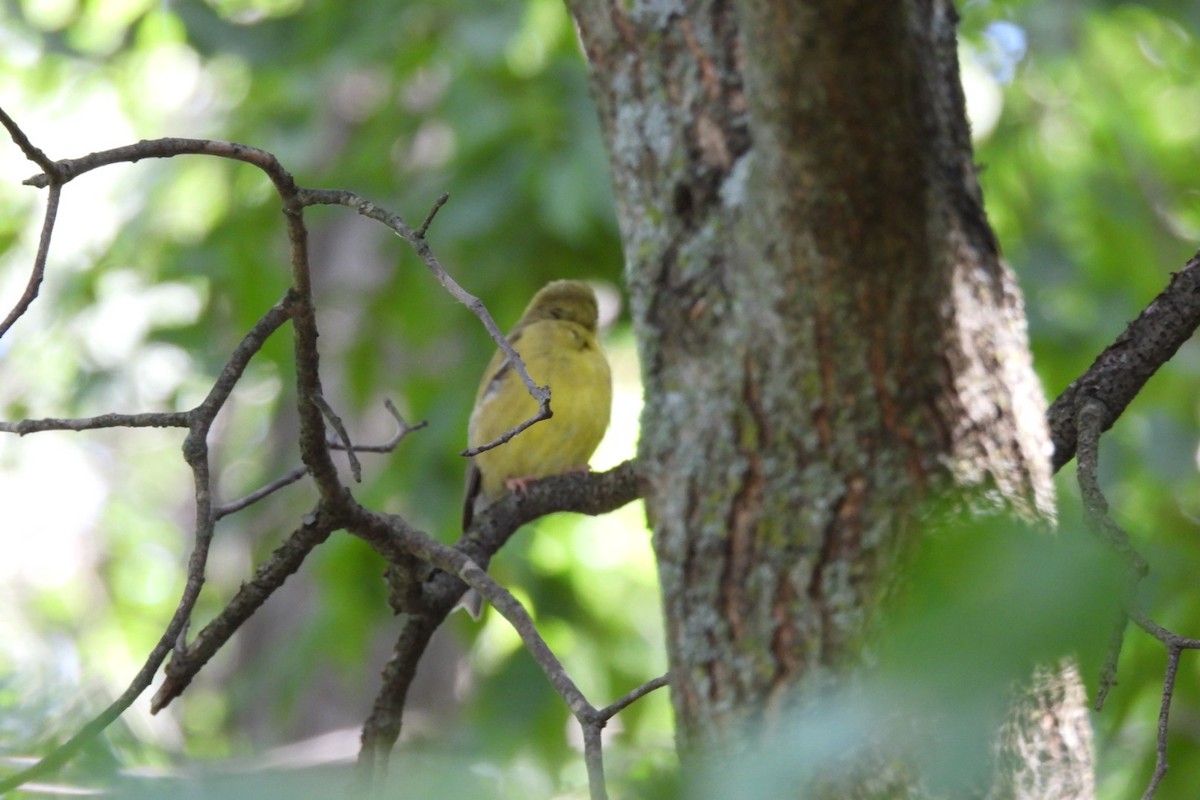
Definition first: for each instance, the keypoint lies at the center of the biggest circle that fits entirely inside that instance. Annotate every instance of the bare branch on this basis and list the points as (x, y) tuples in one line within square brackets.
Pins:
[(1120, 372), (377, 529), (195, 450), (543, 413), (269, 576), (628, 699), (1167, 637), (39, 261), (593, 743), (1108, 671), (27, 147), (1091, 418), (313, 450), (391, 534), (69, 169), (403, 430), (340, 428), (593, 759), (239, 359), (595, 493), (437, 206), (252, 498), (166, 419), (1164, 711)]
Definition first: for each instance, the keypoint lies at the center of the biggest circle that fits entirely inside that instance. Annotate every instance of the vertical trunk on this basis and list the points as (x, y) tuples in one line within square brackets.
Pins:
[(827, 332)]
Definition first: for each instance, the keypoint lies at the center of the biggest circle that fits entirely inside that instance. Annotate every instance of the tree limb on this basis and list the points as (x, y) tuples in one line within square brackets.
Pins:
[(383, 531), (270, 575), (1120, 372), (429, 602)]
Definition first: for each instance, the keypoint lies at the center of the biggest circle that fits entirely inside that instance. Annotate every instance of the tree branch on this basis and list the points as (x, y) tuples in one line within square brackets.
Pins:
[(403, 429), (387, 534), (169, 419), (39, 262), (31, 152), (427, 602), (1120, 372), (269, 576), (628, 699), (339, 428), (1092, 417), (416, 238), (68, 169), (258, 494)]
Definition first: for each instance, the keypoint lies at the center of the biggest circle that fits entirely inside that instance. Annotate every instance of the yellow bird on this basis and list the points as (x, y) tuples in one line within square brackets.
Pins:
[(556, 338)]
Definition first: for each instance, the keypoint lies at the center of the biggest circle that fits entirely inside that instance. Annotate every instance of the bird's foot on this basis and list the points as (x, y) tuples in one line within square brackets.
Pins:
[(520, 485)]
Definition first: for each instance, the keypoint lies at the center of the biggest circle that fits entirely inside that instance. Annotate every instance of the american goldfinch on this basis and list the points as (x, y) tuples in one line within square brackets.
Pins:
[(556, 337)]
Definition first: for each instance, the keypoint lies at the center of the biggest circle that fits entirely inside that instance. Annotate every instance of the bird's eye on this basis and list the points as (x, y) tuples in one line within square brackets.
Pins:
[(556, 313)]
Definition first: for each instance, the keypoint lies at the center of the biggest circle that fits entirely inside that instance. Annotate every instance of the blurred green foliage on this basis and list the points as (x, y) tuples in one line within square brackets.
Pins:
[(159, 268), (943, 675)]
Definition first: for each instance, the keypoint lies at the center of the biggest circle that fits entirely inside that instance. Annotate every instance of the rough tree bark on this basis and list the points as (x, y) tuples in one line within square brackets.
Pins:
[(828, 337)]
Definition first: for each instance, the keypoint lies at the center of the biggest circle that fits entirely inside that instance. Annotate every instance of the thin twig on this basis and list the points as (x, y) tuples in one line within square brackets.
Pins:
[(340, 428), (1108, 672), (252, 498), (543, 413), (1164, 711), (167, 419), (1091, 417), (33, 286), (31, 152), (404, 428), (629, 698), (1167, 637), (437, 206), (272, 320)]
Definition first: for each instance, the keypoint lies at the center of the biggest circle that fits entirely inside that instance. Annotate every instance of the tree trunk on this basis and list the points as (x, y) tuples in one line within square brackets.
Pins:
[(828, 335)]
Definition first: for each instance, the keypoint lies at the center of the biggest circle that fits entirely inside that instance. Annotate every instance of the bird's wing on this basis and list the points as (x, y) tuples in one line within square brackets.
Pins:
[(498, 369), (474, 485)]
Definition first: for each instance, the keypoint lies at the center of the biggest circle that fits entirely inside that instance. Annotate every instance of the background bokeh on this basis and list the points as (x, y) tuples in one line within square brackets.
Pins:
[(1087, 119)]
